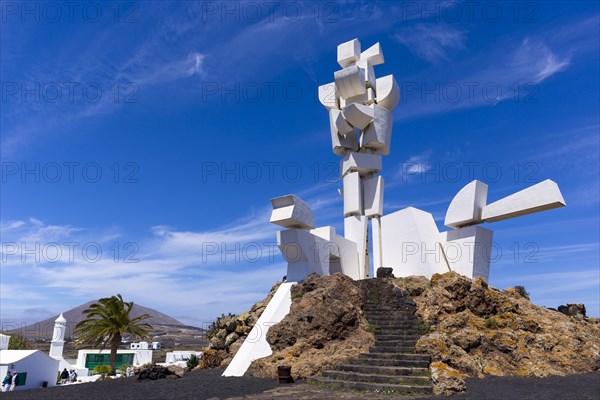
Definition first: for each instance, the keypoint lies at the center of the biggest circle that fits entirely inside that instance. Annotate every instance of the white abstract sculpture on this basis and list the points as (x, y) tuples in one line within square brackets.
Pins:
[(360, 119), (361, 133)]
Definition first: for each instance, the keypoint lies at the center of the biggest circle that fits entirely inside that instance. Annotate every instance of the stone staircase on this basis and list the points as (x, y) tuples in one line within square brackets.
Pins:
[(391, 364)]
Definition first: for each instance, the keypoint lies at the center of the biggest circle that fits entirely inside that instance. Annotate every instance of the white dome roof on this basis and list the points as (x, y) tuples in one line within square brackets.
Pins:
[(61, 319)]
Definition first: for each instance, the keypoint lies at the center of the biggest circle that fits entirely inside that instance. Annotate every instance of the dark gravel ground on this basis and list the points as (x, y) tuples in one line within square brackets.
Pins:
[(204, 384), (208, 384)]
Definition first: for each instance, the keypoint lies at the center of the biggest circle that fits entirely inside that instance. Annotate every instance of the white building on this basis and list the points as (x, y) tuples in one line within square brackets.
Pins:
[(180, 357), (4, 341), (145, 346), (33, 366), (91, 358)]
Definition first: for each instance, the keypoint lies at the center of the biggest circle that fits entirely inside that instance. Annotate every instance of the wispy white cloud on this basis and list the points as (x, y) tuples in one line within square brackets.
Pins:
[(432, 42), (233, 265)]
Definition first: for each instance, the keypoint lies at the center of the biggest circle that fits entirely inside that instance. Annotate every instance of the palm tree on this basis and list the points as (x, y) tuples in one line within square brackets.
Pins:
[(106, 323)]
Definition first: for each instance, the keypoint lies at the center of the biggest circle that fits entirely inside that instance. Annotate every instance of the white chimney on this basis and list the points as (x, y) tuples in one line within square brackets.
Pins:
[(58, 337)]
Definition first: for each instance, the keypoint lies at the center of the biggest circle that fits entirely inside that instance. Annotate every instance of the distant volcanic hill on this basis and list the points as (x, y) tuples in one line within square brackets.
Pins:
[(44, 329)]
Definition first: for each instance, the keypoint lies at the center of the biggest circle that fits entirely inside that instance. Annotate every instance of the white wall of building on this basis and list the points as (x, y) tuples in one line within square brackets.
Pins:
[(140, 357), (38, 366)]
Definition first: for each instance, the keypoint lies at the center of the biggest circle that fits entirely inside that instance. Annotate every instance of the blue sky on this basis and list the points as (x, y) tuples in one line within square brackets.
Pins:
[(155, 133)]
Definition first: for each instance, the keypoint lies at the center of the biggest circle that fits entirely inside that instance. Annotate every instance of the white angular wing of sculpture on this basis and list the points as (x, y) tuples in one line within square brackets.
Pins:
[(540, 197)]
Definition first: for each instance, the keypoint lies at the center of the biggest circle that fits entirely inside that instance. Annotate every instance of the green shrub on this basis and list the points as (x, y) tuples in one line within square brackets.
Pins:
[(18, 342), (423, 327), (192, 362), (123, 368), (297, 295), (491, 323), (102, 369), (522, 291), (371, 329)]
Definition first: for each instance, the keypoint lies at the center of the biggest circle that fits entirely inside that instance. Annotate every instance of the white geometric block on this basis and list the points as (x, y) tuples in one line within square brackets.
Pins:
[(340, 121), (465, 208), (410, 244), (363, 163), (341, 144), (468, 251), (356, 230), (373, 54), (366, 98), (376, 233), (353, 204), (367, 67), (305, 253), (540, 197), (378, 135), (388, 92), (328, 96), (358, 115), (348, 53), (350, 81), (373, 196), (348, 262), (292, 212)]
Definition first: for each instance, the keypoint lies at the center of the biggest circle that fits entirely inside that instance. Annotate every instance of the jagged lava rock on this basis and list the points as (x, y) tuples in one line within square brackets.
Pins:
[(325, 327), (479, 330)]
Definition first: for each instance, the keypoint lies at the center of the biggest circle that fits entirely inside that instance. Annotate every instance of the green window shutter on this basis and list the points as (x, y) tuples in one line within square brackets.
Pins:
[(22, 378)]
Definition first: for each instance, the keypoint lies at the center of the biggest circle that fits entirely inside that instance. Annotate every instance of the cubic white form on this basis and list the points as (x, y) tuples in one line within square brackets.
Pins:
[(348, 261), (38, 366), (256, 346), (373, 196), (363, 163), (350, 81), (328, 96), (358, 115), (388, 92), (540, 197), (369, 72), (373, 54), (342, 143), (465, 208), (355, 230), (378, 135), (411, 244), (353, 194), (292, 212), (468, 251), (342, 125), (348, 53)]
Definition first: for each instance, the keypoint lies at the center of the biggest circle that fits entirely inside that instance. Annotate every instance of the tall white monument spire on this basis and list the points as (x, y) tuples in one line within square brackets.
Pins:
[(360, 114), (58, 337)]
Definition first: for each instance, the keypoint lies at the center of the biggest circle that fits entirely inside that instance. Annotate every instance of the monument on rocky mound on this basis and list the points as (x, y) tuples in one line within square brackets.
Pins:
[(360, 114)]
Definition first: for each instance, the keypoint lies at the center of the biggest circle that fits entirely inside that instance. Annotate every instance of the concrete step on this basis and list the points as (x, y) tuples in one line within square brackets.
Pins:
[(387, 330), (395, 356), (380, 387), (402, 343), (398, 336), (391, 349), (375, 378), (383, 370), (394, 324), (390, 362)]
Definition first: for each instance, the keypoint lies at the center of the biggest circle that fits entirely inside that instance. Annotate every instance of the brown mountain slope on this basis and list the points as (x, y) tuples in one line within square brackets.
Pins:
[(44, 329)]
